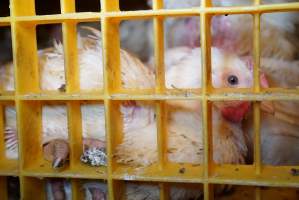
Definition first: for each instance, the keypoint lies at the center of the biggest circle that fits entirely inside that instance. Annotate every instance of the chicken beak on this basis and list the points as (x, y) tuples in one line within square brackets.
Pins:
[(58, 163), (268, 107)]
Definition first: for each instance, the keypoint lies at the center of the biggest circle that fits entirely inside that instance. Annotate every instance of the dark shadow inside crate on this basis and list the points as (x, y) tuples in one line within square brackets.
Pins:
[(4, 8), (47, 7)]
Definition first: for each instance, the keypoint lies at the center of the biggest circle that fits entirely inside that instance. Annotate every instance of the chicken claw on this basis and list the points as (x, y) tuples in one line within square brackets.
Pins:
[(94, 152), (57, 151)]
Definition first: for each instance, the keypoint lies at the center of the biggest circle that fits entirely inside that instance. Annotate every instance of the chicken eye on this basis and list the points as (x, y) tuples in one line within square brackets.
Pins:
[(233, 80)]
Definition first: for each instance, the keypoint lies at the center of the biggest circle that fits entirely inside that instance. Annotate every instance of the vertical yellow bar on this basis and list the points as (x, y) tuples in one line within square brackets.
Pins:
[(25, 58), (24, 47), (160, 84), (258, 193), (208, 191), (32, 188), (75, 133), (109, 151), (29, 133), (256, 105), (164, 191), (22, 7), (109, 5), (205, 45), (121, 190), (256, 51), (112, 79), (111, 55), (3, 188), (69, 32), (256, 87), (159, 48), (67, 6), (77, 191), (161, 113), (206, 108), (257, 138), (159, 54)]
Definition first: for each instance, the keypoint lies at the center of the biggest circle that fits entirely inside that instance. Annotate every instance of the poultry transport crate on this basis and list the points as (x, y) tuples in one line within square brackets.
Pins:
[(27, 97)]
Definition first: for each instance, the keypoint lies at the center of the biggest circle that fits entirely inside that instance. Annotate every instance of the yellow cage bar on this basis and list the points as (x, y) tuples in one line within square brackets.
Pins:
[(28, 99)]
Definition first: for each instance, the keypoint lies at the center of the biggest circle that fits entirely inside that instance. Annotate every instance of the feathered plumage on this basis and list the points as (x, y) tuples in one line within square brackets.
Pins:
[(51, 65), (11, 138), (139, 147), (280, 125)]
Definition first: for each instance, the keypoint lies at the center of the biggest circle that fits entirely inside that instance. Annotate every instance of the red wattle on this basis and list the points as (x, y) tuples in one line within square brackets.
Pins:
[(235, 113)]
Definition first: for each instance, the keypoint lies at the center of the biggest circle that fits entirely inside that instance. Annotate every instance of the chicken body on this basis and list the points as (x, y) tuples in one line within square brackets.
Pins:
[(280, 127), (184, 123), (279, 38), (137, 36), (139, 147), (54, 117), (279, 141), (185, 133)]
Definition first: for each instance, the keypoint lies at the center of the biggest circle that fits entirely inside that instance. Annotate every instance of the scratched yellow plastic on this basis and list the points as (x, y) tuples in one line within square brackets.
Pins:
[(28, 99)]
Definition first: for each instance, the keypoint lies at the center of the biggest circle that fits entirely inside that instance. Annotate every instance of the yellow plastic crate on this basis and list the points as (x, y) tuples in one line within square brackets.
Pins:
[(28, 99)]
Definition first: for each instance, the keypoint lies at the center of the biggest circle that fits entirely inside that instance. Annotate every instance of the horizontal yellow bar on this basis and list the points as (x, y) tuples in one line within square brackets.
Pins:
[(59, 18), (5, 21), (171, 172), (153, 13), (9, 167), (154, 97), (211, 97), (255, 182), (263, 96), (255, 97), (80, 96), (87, 174), (283, 7), (209, 10), (247, 182), (7, 98), (95, 16)]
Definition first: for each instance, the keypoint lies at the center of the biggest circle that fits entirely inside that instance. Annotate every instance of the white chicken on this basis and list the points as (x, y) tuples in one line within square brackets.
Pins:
[(226, 131), (280, 125), (139, 147), (233, 32), (54, 117), (137, 35), (279, 49), (278, 30)]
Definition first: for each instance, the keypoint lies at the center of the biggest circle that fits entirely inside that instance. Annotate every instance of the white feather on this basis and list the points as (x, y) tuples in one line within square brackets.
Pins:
[(11, 122)]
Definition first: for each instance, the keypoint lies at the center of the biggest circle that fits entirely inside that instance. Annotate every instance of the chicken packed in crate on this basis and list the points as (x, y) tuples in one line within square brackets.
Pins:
[(231, 67)]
